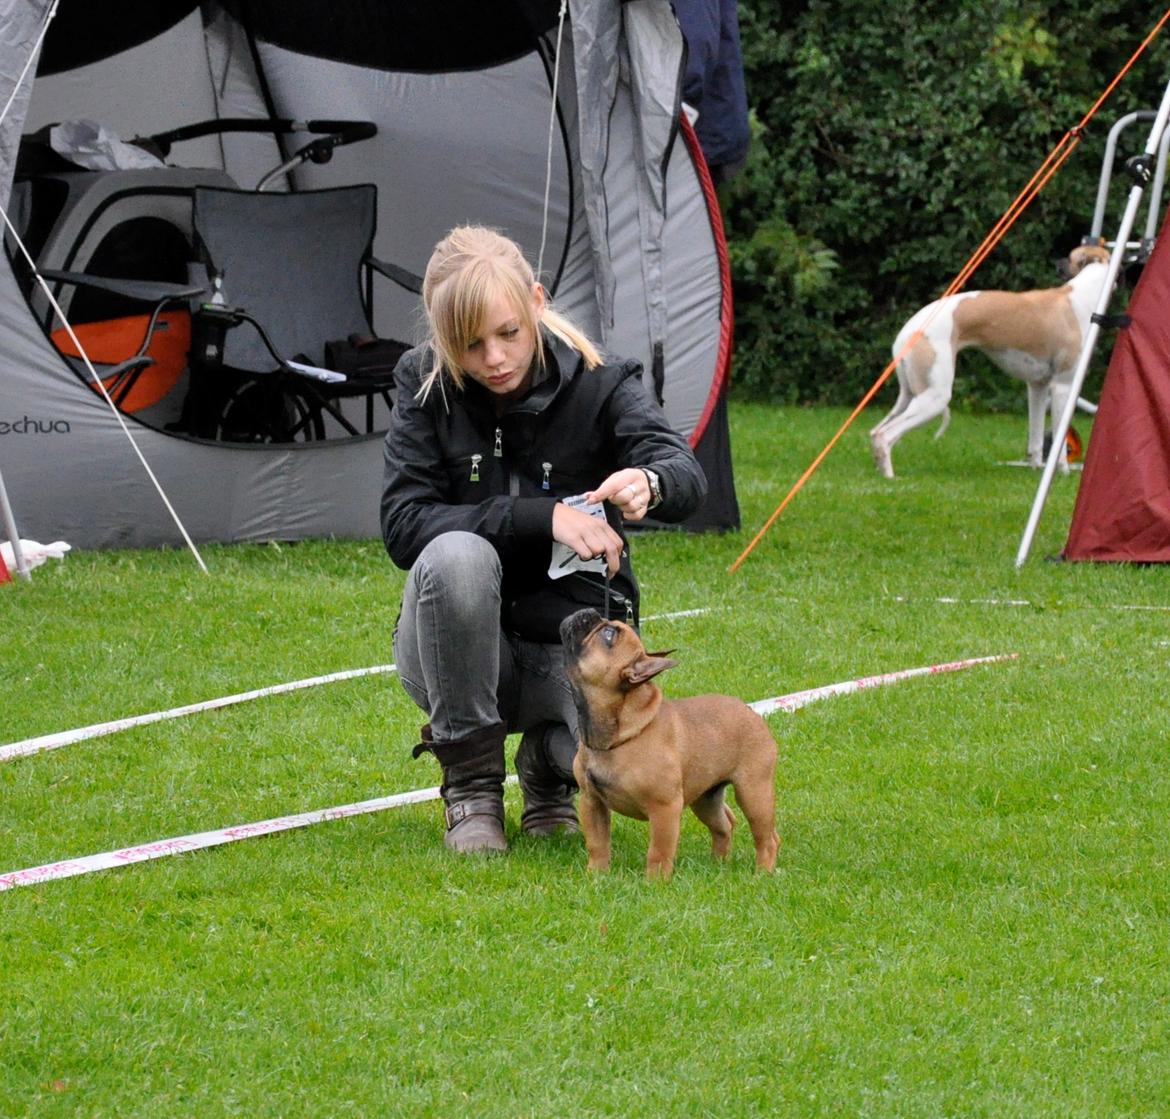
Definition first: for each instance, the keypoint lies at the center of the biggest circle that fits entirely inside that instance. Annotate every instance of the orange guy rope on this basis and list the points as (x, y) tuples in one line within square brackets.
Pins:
[(1063, 149)]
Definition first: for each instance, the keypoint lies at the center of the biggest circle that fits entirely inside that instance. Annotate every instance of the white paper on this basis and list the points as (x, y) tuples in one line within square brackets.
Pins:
[(564, 560), (329, 376)]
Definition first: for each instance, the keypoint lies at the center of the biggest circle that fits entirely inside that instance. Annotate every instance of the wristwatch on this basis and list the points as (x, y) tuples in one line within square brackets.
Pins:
[(655, 489)]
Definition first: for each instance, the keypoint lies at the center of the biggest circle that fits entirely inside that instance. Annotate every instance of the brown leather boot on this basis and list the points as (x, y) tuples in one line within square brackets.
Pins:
[(546, 779), (472, 789)]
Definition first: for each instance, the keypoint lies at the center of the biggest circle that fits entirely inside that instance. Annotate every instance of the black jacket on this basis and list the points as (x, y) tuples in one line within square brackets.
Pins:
[(452, 464)]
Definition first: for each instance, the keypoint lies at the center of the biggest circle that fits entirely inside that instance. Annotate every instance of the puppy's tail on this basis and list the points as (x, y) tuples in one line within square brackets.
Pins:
[(942, 427)]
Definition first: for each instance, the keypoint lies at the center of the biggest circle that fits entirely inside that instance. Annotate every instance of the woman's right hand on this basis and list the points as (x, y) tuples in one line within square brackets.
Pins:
[(587, 535)]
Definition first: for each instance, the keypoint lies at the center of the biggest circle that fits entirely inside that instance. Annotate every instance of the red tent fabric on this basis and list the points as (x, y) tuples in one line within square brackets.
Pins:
[(1123, 504)]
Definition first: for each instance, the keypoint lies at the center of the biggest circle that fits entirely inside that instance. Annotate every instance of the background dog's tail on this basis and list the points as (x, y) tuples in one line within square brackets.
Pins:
[(942, 427)]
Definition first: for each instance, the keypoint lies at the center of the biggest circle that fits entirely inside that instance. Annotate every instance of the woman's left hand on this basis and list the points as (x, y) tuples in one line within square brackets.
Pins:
[(628, 489)]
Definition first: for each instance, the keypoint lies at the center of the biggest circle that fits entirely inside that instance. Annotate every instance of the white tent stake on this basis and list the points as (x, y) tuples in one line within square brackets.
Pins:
[(1060, 432)]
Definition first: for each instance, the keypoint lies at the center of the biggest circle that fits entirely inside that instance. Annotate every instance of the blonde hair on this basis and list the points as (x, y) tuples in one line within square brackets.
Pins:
[(470, 268)]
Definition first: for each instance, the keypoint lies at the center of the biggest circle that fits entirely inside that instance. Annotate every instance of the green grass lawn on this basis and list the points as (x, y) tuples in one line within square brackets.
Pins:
[(968, 917)]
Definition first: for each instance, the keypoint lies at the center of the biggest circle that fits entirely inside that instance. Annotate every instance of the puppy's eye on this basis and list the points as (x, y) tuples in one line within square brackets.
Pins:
[(608, 634)]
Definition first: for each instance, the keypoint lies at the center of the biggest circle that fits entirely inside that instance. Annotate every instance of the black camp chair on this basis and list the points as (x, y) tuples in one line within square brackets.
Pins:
[(292, 281)]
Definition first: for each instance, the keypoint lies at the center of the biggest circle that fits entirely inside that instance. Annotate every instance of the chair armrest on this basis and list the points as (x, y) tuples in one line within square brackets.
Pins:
[(119, 379), (147, 290), (400, 276), (114, 372)]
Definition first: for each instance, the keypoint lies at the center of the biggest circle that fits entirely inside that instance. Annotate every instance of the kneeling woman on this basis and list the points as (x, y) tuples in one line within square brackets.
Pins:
[(505, 411)]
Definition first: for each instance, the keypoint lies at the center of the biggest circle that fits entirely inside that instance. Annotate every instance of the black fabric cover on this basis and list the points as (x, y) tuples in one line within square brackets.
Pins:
[(411, 35), (720, 512), (425, 36), (85, 31)]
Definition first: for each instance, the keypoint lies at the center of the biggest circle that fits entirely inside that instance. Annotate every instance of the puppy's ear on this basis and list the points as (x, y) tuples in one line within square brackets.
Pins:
[(647, 667)]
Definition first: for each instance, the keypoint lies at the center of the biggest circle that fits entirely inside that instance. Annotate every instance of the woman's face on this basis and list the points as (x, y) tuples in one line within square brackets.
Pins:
[(500, 356)]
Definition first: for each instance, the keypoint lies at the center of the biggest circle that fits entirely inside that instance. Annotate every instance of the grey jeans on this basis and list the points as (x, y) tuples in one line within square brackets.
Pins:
[(457, 663)]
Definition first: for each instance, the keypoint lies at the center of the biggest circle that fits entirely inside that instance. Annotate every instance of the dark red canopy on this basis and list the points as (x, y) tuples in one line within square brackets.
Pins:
[(1123, 505)]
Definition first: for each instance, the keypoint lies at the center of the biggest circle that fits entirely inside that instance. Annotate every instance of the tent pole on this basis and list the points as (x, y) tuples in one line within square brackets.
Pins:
[(1141, 170), (9, 523)]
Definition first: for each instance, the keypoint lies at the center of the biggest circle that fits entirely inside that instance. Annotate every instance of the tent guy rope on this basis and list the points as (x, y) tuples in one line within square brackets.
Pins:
[(16, 239), (144, 852), (1063, 149), (32, 54), (6, 514), (552, 120), (99, 384)]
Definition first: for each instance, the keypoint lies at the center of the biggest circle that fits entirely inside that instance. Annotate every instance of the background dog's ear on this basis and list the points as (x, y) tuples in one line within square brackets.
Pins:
[(646, 668)]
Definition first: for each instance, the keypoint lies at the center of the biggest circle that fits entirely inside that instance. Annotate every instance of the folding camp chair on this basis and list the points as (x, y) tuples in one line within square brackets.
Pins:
[(292, 275)]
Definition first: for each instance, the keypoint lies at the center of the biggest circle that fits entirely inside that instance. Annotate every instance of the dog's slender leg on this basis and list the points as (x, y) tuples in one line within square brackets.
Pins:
[(595, 825), (665, 820), (926, 377), (904, 398), (879, 445), (712, 809), (757, 798), (1038, 397), (1059, 393), (926, 406)]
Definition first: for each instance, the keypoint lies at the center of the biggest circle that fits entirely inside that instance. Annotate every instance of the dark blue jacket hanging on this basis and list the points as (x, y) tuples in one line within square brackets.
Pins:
[(714, 82)]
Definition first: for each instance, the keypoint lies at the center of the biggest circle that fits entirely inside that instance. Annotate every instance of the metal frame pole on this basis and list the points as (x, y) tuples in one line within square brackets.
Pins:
[(10, 528), (1060, 431)]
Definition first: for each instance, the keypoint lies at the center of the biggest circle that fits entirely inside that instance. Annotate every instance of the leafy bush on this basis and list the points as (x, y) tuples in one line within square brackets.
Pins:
[(889, 140)]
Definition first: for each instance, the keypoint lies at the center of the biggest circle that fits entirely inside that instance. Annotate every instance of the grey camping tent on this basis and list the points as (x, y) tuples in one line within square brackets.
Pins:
[(566, 134)]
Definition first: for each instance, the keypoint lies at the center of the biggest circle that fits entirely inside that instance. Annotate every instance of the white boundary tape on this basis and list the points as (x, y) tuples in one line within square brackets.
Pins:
[(1073, 466), (108, 859), (800, 699), (58, 739), (947, 601), (68, 868), (67, 737)]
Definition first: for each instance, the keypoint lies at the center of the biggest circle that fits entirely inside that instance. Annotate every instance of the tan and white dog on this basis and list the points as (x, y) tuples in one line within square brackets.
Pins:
[(1033, 335)]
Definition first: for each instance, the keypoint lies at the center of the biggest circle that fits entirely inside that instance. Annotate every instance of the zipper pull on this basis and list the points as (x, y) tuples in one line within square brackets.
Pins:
[(498, 449), (475, 461), (629, 612), (546, 467)]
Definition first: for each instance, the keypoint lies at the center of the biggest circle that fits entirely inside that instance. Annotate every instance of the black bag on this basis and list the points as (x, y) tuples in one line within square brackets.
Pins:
[(364, 357)]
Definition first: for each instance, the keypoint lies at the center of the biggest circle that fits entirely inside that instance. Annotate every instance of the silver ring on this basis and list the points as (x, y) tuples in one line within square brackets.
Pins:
[(633, 492)]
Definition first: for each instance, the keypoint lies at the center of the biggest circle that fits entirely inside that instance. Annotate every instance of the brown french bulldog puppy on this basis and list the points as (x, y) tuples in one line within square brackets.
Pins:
[(648, 757)]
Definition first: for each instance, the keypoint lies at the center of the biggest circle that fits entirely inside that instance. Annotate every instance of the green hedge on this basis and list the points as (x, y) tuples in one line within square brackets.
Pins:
[(889, 139)]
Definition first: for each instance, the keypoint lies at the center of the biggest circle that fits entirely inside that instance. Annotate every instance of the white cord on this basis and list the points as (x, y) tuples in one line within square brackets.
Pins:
[(552, 119), (101, 386), (29, 61), (65, 322)]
